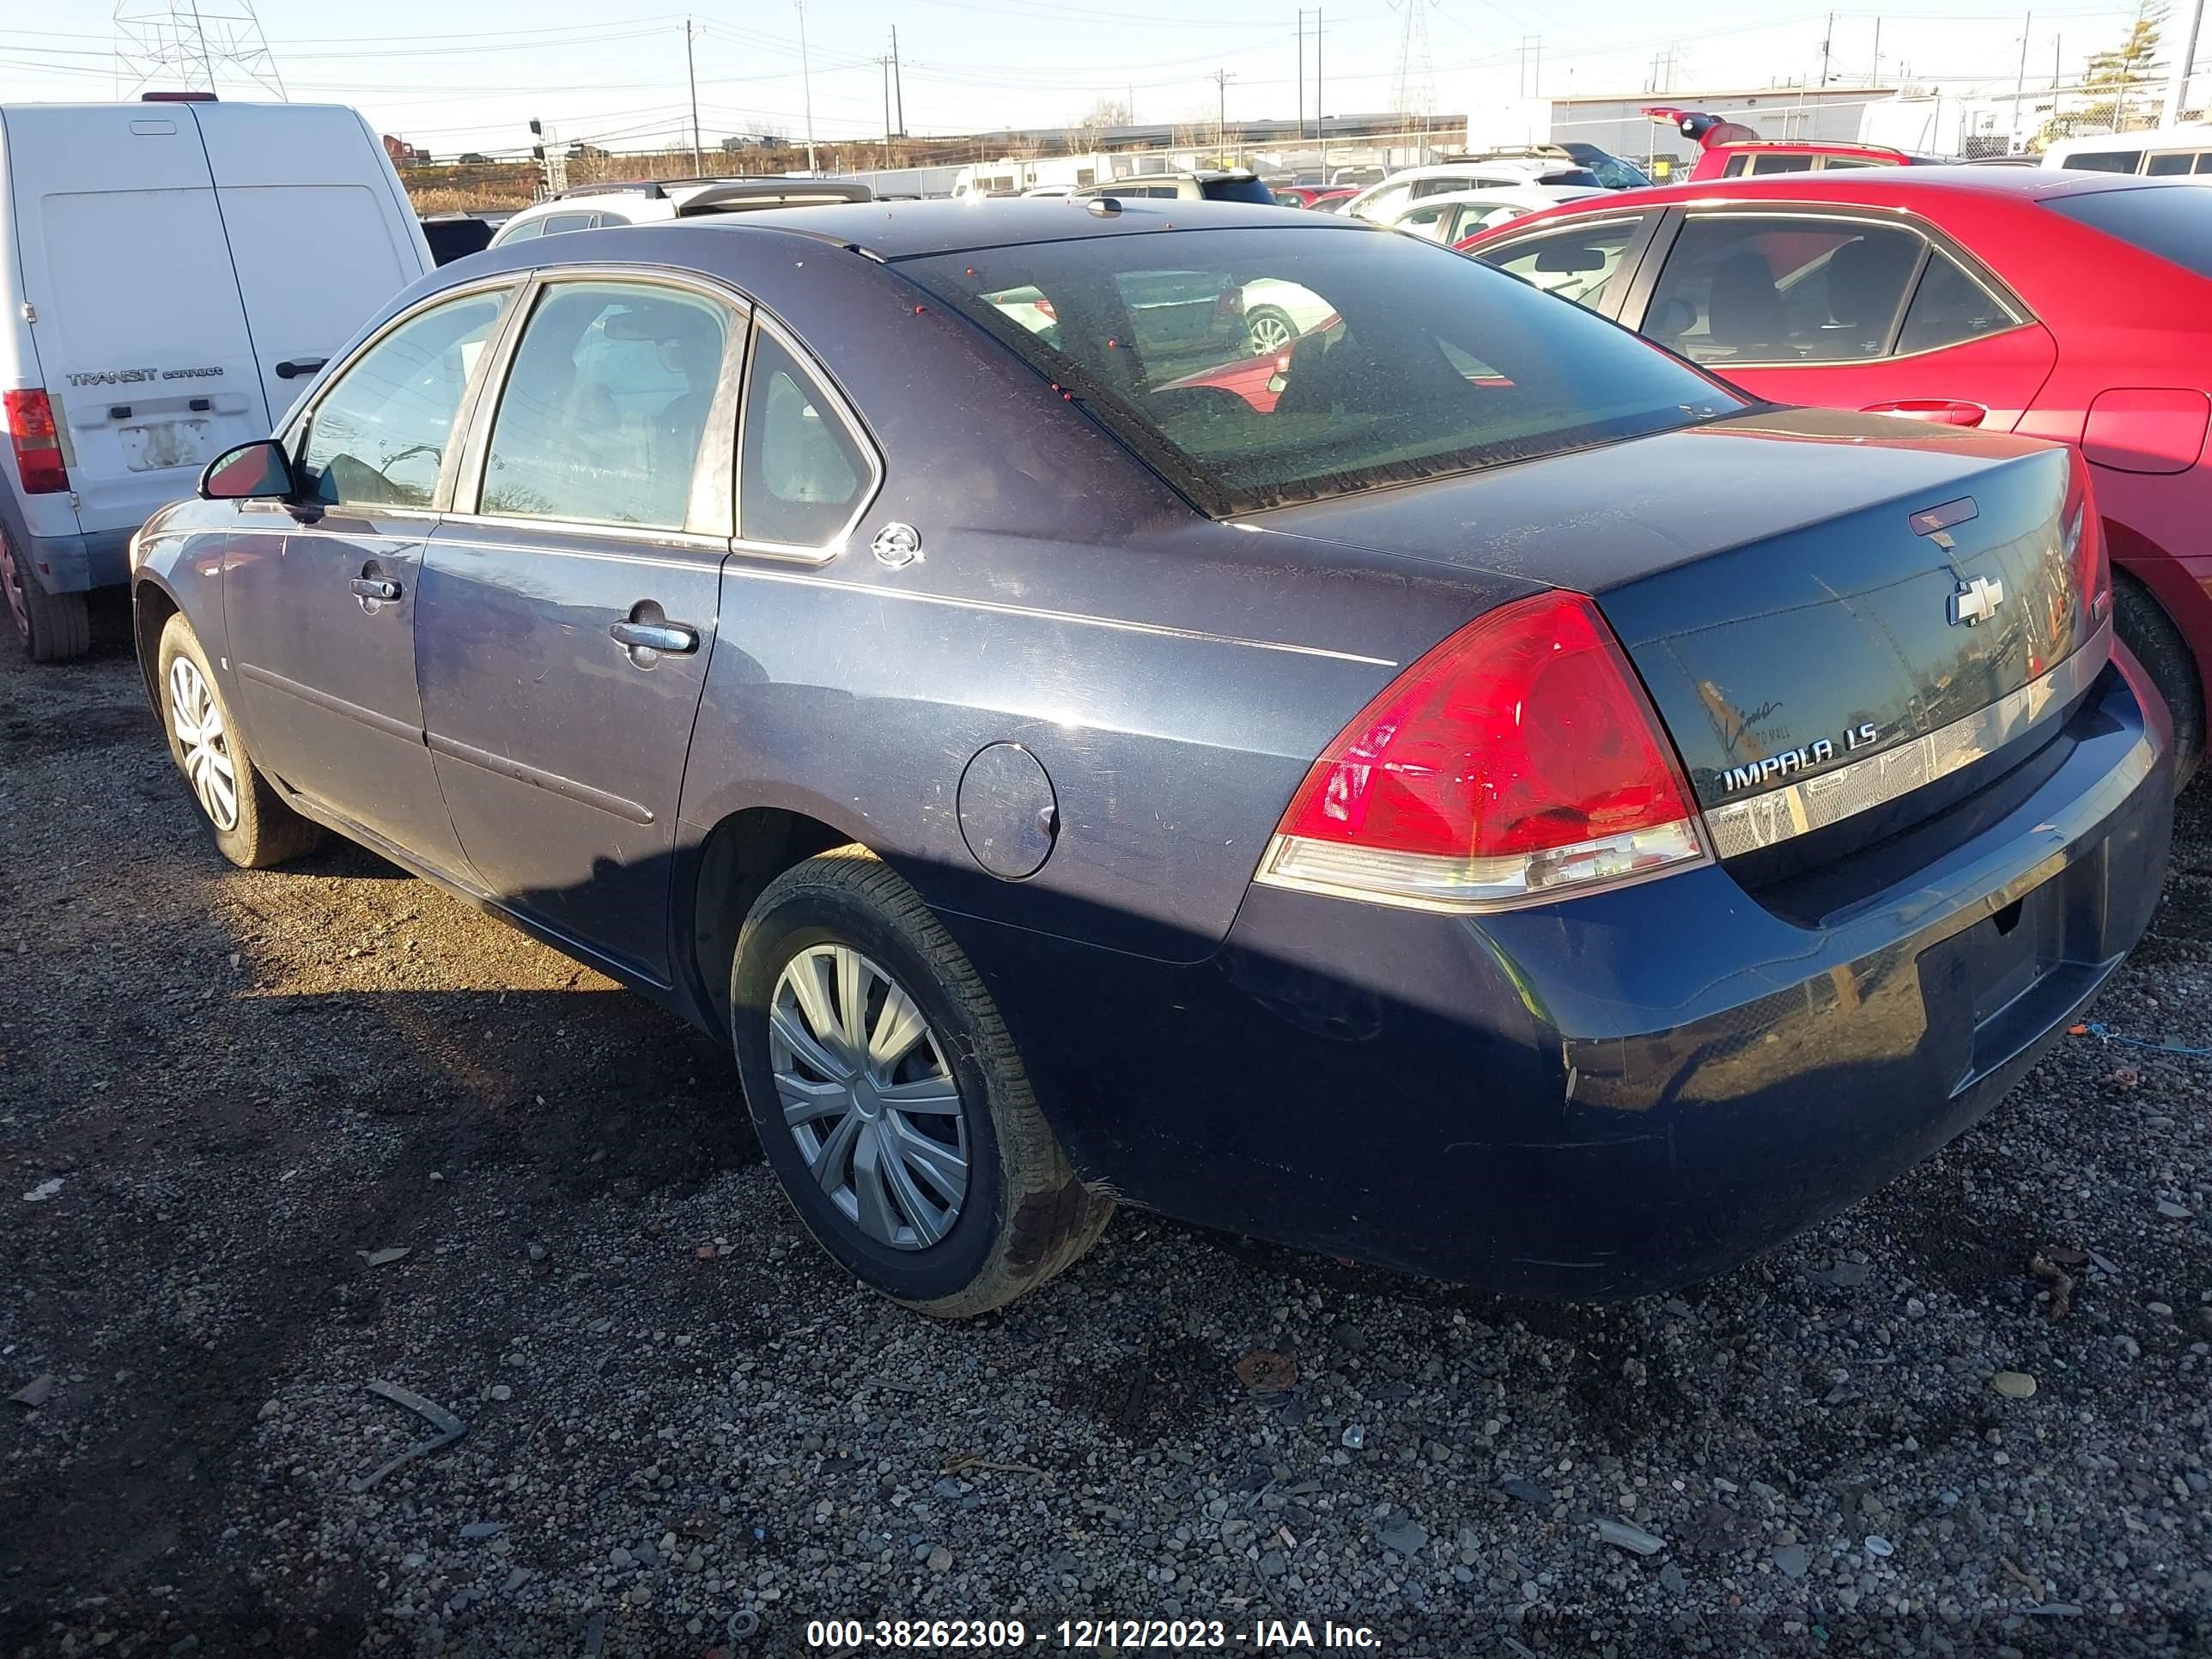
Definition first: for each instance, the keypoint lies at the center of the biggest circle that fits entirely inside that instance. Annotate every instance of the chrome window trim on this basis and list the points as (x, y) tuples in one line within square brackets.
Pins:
[(294, 430), (1798, 808), (718, 445), (633, 535), (839, 404)]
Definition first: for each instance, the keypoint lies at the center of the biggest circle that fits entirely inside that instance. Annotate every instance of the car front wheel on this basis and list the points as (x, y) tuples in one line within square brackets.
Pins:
[(254, 829), (889, 1097)]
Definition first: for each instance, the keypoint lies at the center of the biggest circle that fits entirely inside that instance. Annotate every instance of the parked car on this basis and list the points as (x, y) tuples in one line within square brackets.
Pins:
[(1729, 149), (1326, 197), (1457, 215), (1514, 808), (2065, 305), (2154, 152), (652, 202), (1409, 184), (1207, 184), (1606, 168), (152, 314)]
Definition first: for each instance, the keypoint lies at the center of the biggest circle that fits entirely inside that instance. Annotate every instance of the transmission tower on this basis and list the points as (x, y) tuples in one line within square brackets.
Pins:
[(181, 45), (1416, 84)]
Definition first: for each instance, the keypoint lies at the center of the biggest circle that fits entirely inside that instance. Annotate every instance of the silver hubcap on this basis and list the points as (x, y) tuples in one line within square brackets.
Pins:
[(202, 746), (12, 580), (868, 1097), (1268, 334)]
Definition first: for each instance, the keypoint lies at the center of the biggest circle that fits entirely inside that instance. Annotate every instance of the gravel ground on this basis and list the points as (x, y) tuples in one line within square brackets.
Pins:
[(219, 1090)]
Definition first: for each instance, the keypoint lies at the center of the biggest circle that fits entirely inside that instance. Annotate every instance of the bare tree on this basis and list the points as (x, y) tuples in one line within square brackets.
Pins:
[(1092, 128)]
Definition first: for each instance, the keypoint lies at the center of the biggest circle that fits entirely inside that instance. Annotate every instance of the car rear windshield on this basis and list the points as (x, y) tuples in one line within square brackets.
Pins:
[(1254, 191), (2173, 222), (1256, 366)]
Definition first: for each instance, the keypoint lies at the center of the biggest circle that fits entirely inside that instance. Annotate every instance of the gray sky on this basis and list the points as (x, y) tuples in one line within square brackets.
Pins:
[(467, 74)]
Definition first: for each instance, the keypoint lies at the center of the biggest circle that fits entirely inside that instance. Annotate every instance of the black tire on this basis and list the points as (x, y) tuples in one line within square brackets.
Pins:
[(2143, 626), (53, 627), (263, 830), (1024, 1217)]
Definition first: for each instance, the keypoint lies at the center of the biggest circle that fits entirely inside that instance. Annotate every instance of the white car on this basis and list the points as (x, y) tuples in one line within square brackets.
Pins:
[(1380, 202), (656, 201), (1457, 215)]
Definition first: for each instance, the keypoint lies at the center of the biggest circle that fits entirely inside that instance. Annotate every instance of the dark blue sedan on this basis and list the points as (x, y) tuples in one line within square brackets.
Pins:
[(1457, 787)]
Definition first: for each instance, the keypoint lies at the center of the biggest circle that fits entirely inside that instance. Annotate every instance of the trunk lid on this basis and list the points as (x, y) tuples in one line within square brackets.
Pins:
[(1800, 591)]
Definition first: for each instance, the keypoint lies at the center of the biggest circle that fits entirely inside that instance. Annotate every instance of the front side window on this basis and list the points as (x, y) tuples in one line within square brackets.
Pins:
[(1740, 288), (558, 222), (1579, 264), (1416, 363), (801, 473), (522, 232), (605, 406), (379, 435)]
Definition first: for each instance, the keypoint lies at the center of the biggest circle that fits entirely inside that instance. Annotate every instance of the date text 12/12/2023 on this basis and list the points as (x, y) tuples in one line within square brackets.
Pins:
[(1259, 1636)]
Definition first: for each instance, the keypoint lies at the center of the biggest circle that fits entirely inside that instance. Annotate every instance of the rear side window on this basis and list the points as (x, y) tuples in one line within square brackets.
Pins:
[(2103, 160), (1736, 168), (2173, 222), (604, 406), (801, 472), (1580, 264), (2167, 166), (1406, 361), (1950, 307), (1763, 165), (1739, 289), (378, 436), (555, 223)]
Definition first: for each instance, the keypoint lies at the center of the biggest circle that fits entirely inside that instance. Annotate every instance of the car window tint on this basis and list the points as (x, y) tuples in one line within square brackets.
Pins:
[(1736, 168), (555, 223), (378, 436), (604, 407), (523, 232), (1406, 362), (1426, 187), (2103, 160), (1763, 165), (1831, 163), (2204, 162), (801, 472), (1578, 265), (1949, 307), (1253, 190), (2165, 166), (1739, 289), (2173, 222)]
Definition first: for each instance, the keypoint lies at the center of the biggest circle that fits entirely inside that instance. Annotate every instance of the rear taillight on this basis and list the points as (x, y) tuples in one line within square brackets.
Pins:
[(37, 446), (1519, 760), (2082, 536)]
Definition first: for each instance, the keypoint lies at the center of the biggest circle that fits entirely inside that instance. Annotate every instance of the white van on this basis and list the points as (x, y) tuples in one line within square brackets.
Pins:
[(172, 276), (2154, 152)]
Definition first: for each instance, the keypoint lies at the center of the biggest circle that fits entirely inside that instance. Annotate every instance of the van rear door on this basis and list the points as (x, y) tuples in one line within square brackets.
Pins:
[(320, 230), (140, 335)]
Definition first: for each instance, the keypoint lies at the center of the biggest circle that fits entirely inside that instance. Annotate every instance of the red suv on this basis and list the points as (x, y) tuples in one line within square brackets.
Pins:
[(2062, 305)]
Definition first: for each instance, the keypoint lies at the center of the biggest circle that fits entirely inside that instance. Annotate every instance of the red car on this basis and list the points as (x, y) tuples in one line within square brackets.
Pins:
[(1728, 150), (2056, 304), (1325, 197)]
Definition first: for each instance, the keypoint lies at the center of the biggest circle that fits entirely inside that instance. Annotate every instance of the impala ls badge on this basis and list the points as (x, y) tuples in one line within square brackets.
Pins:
[(1976, 601)]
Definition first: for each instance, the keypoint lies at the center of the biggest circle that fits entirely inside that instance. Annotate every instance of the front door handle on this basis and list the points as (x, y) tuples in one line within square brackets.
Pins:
[(671, 639), (373, 587), (1943, 411), (298, 365)]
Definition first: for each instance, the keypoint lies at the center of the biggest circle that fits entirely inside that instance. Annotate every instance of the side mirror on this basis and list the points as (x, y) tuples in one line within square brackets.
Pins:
[(259, 471)]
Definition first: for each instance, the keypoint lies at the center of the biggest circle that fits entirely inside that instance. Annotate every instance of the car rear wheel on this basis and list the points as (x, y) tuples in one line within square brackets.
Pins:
[(1269, 328), (889, 1099), (254, 829), (2142, 624), (53, 627)]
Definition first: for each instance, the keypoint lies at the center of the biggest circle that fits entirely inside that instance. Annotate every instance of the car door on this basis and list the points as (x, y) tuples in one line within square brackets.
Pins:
[(1812, 307), (320, 618), (1589, 261), (568, 614)]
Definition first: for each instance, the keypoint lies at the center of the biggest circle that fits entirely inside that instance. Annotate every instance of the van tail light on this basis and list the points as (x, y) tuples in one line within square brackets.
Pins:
[(37, 446), (1517, 761), (1943, 411), (2082, 535)]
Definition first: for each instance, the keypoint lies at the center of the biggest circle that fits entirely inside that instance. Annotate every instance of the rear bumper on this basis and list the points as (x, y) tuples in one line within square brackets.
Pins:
[(81, 561), (1611, 1096)]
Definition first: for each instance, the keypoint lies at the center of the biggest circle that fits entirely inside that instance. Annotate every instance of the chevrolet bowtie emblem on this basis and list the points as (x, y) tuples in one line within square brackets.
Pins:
[(1976, 601)]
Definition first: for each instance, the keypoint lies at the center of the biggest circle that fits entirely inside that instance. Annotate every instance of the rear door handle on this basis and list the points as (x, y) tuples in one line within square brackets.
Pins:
[(673, 639), (373, 587), (298, 366), (1944, 411)]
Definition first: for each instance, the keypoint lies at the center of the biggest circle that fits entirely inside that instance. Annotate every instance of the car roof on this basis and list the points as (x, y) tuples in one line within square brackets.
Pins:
[(1869, 186), (1516, 194), (902, 230)]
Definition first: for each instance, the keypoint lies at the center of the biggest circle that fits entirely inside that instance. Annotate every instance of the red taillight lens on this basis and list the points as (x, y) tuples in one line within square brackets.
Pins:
[(1518, 759), (2084, 535), (37, 446)]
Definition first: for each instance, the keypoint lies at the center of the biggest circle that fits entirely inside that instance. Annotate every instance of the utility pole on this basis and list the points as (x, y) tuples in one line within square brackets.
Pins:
[(1302, 72), (692, 74), (807, 84), (1824, 39), (898, 84), (1875, 79), (1321, 106), (1221, 79), (2020, 84), (2177, 89), (883, 65)]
